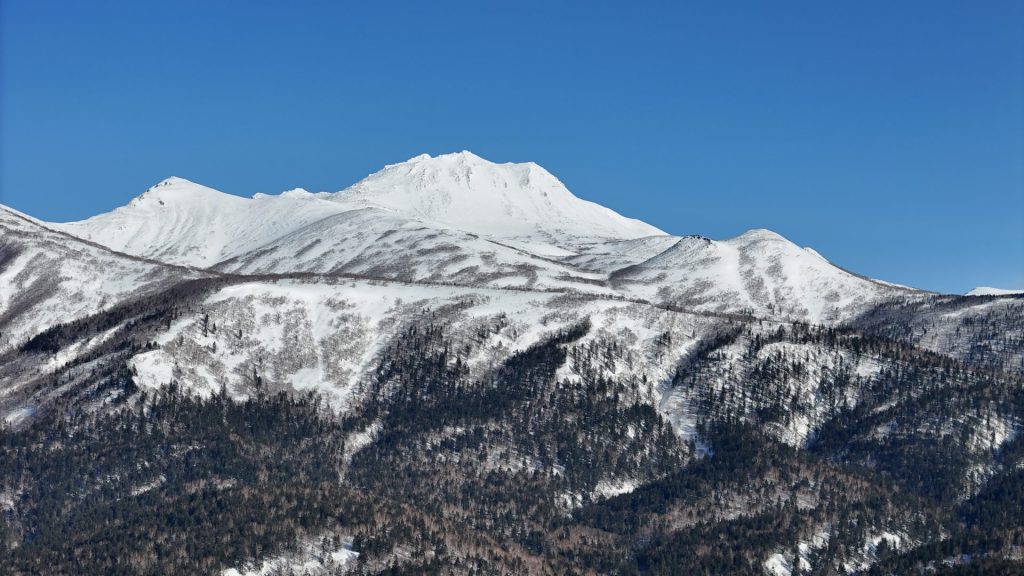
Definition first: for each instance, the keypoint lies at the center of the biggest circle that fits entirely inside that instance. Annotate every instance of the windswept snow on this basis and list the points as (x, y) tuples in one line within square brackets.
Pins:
[(460, 219), (48, 278), (181, 222), (465, 192), (186, 223), (989, 291), (327, 337), (758, 273)]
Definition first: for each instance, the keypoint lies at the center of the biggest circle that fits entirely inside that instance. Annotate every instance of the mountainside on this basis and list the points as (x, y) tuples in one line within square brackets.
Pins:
[(760, 273), (460, 219), (455, 366), (988, 291), (376, 243), (466, 192), (184, 223), (47, 277)]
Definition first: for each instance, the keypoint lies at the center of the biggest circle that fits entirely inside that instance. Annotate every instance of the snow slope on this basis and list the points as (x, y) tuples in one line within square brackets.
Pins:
[(758, 272), (460, 219), (326, 336), (181, 222), (989, 291), (465, 192), (47, 278), (609, 256), (455, 218), (377, 243)]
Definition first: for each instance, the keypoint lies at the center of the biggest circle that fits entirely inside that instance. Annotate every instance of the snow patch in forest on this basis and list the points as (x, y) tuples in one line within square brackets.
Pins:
[(312, 558), (15, 417), (610, 488)]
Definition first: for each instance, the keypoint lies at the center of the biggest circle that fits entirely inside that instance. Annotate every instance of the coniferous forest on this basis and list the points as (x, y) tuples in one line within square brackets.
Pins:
[(734, 290), (545, 463)]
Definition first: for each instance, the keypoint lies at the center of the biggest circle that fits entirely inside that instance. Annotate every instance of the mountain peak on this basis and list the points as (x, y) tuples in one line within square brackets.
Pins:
[(761, 235), (455, 160), (467, 192), (176, 186), (173, 181), (461, 156), (990, 291)]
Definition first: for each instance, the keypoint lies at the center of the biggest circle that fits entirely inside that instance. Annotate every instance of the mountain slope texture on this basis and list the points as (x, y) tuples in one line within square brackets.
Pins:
[(456, 366)]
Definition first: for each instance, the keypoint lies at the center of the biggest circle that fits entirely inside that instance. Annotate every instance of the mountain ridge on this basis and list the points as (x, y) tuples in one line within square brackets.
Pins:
[(354, 380), (475, 195), (990, 291), (475, 222)]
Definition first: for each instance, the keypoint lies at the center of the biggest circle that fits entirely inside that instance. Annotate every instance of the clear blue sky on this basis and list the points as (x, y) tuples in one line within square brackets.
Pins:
[(887, 135)]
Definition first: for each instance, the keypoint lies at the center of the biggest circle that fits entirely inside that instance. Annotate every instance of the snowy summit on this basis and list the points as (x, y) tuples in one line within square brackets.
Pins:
[(458, 218), (466, 192), (989, 291)]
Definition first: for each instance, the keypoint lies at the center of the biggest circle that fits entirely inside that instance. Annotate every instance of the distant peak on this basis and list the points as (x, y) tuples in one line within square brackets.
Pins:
[(173, 181), (463, 157), (448, 175), (473, 194), (990, 291), (174, 189), (761, 234)]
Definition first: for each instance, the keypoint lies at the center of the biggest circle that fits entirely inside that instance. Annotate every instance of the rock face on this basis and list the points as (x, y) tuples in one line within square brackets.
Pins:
[(459, 366)]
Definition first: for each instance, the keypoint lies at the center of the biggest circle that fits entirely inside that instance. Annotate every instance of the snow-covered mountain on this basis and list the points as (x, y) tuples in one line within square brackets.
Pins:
[(453, 360), (758, 272), (989, 291), (465, 192), (185, 223), (181, 222), (48, 277), (460, 219)]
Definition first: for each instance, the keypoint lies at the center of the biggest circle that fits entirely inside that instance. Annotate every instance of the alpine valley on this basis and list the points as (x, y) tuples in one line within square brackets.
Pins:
[(455, 366)]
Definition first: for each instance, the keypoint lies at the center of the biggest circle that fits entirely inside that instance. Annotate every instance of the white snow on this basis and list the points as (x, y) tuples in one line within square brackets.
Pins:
[(989, 291), (324, 336), (502, 254), (759, 273), (778, 565), (466, 192), (868, 552), (182, 222), (142, 489), (53, 278), (310, 560), (16, 416), (186, 223), (461, 219), (608, 489)]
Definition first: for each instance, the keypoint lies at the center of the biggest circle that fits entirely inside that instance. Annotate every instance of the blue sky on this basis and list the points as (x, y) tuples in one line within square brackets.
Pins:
[(887, 135)]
